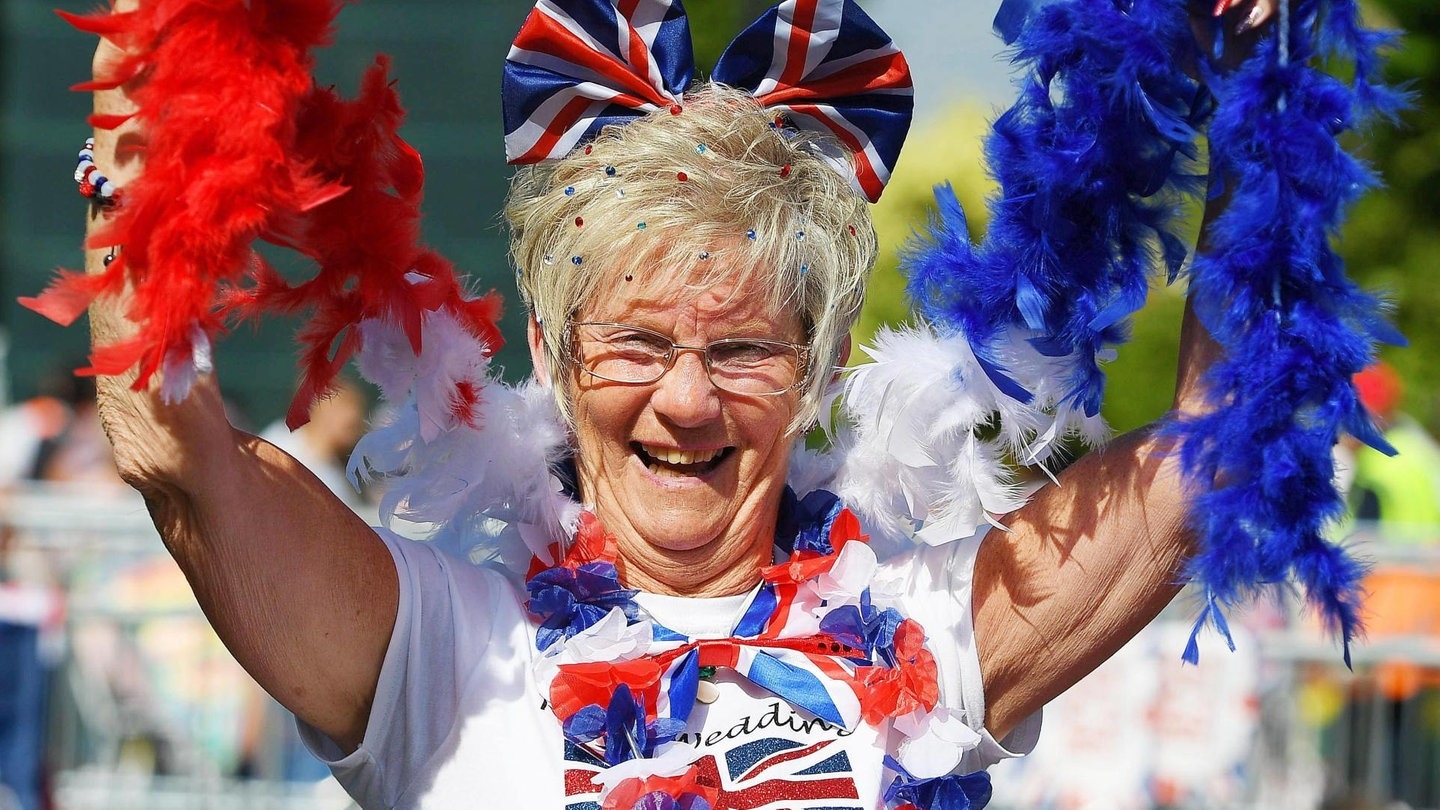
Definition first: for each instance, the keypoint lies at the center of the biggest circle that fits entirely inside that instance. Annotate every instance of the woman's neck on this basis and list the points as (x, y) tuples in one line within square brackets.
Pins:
[(697, 572)]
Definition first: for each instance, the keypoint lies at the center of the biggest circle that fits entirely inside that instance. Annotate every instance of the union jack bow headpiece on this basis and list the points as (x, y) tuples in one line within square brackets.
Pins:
[(578, 65)]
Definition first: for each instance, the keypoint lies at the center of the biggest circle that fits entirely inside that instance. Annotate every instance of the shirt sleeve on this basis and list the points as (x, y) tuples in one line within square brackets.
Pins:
[(449, 613), (936, 586)]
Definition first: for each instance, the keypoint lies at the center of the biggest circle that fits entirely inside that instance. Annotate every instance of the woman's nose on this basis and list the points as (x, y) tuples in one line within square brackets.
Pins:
[(685, 396)]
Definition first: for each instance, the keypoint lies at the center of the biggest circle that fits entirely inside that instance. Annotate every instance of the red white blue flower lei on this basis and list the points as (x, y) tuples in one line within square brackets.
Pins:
[(622, 681)]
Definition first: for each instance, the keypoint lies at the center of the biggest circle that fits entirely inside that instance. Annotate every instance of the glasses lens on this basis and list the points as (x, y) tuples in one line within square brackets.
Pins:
[(746, 366), (622, 353)]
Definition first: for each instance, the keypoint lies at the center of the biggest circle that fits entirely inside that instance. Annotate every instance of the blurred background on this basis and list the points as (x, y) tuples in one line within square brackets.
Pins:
[(114, 694)]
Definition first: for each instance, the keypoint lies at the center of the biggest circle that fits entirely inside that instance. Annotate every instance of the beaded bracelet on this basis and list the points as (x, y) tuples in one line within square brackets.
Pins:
[(93, 185), (96, 187)]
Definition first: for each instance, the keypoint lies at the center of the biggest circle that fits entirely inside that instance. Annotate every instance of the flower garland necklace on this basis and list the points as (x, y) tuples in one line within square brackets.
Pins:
[(622, 683)]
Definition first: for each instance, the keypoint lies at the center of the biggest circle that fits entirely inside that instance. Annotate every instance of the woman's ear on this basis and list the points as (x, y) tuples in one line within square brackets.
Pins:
[(535, 336)]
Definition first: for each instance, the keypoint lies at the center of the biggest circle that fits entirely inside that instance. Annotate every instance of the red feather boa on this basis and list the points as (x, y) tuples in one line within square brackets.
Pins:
[(242, 146)]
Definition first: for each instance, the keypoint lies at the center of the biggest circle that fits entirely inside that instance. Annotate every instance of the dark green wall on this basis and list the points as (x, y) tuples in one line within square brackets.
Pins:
[(447, 59)]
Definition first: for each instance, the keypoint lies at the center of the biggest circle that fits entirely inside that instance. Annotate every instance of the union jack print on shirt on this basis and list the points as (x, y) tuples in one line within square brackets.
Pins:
[(766, 774)]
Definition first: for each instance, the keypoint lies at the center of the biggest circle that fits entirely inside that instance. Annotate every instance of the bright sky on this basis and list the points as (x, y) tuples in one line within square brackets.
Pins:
[(952, 50)]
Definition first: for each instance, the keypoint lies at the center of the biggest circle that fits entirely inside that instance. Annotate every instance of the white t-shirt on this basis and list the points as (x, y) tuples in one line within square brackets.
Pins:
[(459, 721)]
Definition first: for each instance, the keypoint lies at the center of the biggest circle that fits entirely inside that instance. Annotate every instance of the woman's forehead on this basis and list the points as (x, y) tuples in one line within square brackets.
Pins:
[(653, 298)]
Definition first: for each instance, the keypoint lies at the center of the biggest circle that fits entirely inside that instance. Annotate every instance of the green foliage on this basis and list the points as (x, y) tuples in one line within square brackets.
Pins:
[(1392, 241), (943, 148), (713, 23)]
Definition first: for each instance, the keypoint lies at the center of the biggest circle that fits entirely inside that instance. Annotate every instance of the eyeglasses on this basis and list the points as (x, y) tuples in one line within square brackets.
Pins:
[(634, 356)]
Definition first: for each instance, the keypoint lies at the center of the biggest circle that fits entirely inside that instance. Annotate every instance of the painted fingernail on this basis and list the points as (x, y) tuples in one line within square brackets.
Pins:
[(1222, 6), (1251, 20)]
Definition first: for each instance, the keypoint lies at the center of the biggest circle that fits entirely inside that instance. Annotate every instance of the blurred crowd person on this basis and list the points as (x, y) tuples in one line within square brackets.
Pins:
[(53, 436), (1400, 493), (324, 443), (1385, 727), (144, 672)]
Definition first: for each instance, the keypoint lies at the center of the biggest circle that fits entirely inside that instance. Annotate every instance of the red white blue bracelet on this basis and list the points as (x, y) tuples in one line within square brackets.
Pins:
[(97, 187)]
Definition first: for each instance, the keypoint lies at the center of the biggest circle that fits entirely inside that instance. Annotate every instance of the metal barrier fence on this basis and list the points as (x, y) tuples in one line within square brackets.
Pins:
[(147, 710), (102, 789), (1279, 724)]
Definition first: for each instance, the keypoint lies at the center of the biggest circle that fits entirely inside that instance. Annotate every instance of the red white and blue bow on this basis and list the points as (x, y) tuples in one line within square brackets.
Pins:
[(578, 65), (852, 664), (810, 635)]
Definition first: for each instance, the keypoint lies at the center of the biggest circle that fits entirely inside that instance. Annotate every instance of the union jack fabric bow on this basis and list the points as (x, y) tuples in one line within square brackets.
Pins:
[(810, 635), (824, 65)]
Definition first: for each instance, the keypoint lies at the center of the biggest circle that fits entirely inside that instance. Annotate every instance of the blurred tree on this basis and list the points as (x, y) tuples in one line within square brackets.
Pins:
[(1392, 241), (942, 148), (713, 23)]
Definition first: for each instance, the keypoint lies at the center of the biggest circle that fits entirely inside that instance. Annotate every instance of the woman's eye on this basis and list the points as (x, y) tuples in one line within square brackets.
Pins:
[(741, 352), (639, 342)]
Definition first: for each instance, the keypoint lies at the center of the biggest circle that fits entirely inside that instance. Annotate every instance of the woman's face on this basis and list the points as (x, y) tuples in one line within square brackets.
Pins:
[(686, 476)]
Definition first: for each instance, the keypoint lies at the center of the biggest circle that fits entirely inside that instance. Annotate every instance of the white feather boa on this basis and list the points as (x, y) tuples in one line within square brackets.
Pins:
[(927, 446), (475, 481), (925, 449)]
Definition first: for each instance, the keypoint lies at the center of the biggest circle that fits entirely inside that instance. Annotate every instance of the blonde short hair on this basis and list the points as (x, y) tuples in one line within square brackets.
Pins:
[(664, 190)]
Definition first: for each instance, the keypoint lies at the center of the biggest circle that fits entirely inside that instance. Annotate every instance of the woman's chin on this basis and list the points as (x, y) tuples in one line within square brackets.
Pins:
[(678, 530)]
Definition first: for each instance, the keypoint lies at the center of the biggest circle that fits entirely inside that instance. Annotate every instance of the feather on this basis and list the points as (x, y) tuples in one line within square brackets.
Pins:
[(1092, 161), (1295, 329), (69, 295), (294, 164), (188, 222), (100, 24), (926, 434), (481, 479), (108, 121)]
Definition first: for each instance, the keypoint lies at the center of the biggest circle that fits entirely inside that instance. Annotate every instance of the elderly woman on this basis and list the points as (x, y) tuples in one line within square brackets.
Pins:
[(708, 637)]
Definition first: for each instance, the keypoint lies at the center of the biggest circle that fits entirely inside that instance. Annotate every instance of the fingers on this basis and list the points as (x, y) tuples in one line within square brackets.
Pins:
[(1259, 12), (1260, 8), (1255, 12), (1237, 24), (118, 151)]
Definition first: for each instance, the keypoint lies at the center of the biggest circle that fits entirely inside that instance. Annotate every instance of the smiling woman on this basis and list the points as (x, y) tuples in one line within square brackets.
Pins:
[(676, 605), (705, 226), (701, 530)]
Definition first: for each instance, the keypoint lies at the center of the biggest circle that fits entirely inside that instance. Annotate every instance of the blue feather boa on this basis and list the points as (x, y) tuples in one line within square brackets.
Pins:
[(1274, 293), (1094, 162)]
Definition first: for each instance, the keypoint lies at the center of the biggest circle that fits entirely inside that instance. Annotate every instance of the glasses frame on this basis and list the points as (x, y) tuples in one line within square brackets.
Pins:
[(802, 352)]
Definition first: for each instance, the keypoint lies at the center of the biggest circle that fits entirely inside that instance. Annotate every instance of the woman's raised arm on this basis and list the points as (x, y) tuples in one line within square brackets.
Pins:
[(1087, 564), (301, 591)]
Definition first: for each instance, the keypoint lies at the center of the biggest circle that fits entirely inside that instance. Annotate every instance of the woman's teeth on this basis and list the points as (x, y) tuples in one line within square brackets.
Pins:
[(680, 456), (675, 463)]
